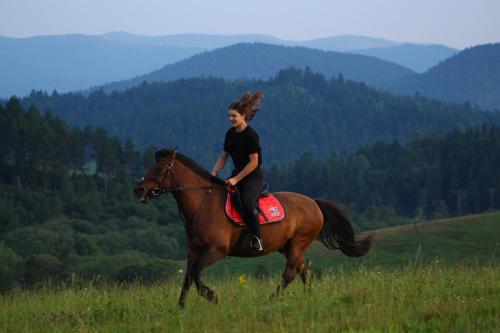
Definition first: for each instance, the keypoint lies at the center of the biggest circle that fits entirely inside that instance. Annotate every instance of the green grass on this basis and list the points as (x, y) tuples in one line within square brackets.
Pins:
[(433, 298), (442, 277)]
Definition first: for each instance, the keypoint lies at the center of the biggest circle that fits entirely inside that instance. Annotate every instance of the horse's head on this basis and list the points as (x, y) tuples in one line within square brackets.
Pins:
[(159, 177)]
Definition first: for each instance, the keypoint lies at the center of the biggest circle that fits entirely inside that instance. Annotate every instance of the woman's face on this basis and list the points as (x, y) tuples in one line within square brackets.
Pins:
[(235, 118)]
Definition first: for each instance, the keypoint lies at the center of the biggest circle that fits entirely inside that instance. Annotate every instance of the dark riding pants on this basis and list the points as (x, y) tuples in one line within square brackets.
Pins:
[(249, 189)]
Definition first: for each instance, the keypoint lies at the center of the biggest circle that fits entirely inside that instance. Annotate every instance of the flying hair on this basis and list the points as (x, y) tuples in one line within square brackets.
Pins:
[(247, 105)]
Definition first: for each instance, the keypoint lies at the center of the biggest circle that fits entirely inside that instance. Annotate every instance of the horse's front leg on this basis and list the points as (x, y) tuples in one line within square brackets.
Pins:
[(192, 257), (188, 280), (207, 258)]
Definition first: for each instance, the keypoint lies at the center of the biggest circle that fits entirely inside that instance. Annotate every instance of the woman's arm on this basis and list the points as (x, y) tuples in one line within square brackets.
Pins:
[(221, 162), (252, 164)]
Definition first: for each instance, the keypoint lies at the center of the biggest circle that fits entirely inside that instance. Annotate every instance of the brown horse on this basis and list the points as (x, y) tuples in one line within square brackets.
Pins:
[(211, 236)]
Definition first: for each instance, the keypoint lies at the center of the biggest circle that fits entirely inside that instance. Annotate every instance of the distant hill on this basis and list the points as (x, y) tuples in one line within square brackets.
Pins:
[(347, 43), (75, 62), (262, 61), (414, 56), (341, 43), (190, 41), (302, 111), (418, 57), (472, 75)]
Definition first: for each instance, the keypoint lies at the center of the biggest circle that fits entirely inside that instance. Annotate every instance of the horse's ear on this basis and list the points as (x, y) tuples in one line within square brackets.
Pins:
[(174, 153)]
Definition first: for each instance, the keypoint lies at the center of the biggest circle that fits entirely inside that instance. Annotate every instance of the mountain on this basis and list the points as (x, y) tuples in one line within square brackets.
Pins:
[(75, 62), (472, 75), (348, 43), (414, 56), (262, 61), (418, 57), (196, 41), (301, 112), (342, 43)]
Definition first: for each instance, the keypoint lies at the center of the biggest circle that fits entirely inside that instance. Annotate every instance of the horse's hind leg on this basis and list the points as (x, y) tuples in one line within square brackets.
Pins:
[(295, 264), (303, 272)]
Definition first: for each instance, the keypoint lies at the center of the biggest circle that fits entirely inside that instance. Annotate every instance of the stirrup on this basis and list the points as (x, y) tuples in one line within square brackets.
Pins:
[(256, 243)]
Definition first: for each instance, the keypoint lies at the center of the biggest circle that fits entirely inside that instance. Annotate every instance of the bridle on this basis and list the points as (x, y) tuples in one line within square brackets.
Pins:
[(160, 179), (159, 189)]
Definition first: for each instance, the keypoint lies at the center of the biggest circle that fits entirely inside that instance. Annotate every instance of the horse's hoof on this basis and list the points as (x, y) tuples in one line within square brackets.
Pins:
[(212, 297), (274, 296)]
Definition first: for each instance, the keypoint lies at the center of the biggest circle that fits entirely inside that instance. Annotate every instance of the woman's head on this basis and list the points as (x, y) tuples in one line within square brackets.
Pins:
[(246, 106)]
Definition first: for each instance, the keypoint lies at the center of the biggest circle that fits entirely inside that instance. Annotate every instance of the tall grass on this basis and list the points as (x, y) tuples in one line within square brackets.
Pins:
[(430, 298)]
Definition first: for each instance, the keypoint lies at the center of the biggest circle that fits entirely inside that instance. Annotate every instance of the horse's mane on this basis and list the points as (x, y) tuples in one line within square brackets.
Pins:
[(198, 169)]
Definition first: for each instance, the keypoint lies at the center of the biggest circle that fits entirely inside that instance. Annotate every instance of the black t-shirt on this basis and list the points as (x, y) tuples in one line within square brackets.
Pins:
[(241, 144)]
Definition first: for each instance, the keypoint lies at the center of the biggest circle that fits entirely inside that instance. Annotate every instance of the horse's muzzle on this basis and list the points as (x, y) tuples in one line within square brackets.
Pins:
[(140, 192)]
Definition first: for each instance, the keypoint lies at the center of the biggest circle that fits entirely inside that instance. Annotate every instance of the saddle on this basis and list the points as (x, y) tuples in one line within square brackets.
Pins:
[(269, 208)]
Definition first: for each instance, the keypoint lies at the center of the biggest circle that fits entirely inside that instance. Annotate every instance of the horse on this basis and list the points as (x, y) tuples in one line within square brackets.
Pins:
[(211, 236)]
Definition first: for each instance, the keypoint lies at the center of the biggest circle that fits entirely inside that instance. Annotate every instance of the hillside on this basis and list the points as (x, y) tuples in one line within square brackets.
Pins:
[(467, 240), (262, 61), (472, 75), (315, 114)]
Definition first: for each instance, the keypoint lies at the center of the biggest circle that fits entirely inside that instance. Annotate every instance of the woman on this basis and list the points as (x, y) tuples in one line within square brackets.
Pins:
[(242, 144)]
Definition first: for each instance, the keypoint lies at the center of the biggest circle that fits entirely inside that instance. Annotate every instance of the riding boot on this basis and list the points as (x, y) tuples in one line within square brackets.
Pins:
[(256, 242)]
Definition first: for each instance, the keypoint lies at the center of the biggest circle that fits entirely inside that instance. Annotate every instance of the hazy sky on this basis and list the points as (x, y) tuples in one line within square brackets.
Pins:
[(457, 23)]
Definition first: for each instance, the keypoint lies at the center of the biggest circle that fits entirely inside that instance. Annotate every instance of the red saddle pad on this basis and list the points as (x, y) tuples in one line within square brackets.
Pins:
[(269, 205)]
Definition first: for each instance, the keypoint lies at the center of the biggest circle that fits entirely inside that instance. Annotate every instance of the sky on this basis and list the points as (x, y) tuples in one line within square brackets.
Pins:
[(456, 23)]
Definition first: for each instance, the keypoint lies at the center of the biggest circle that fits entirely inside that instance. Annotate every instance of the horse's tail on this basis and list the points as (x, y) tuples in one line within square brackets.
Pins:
[(337, 231)]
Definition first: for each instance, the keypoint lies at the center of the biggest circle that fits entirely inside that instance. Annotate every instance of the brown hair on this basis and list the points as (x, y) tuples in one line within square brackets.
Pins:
[(247, 105)]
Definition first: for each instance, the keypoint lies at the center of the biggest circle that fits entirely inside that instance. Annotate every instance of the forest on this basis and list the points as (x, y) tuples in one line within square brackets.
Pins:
[(302, 111), (67, 207)]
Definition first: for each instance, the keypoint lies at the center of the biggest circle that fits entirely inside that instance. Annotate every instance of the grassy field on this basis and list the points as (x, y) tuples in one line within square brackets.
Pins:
[(442, 277)]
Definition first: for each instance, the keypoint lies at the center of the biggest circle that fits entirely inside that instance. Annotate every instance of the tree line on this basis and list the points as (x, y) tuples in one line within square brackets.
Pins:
[(389, 183)]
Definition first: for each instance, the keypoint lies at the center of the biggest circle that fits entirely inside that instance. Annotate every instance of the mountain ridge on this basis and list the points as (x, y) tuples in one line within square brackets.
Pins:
[(472, 75), (62, 64), (262, 61)]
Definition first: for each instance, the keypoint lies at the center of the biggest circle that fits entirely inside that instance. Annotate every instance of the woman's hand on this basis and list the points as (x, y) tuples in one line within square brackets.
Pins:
[(231, 181), (213, 173)]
